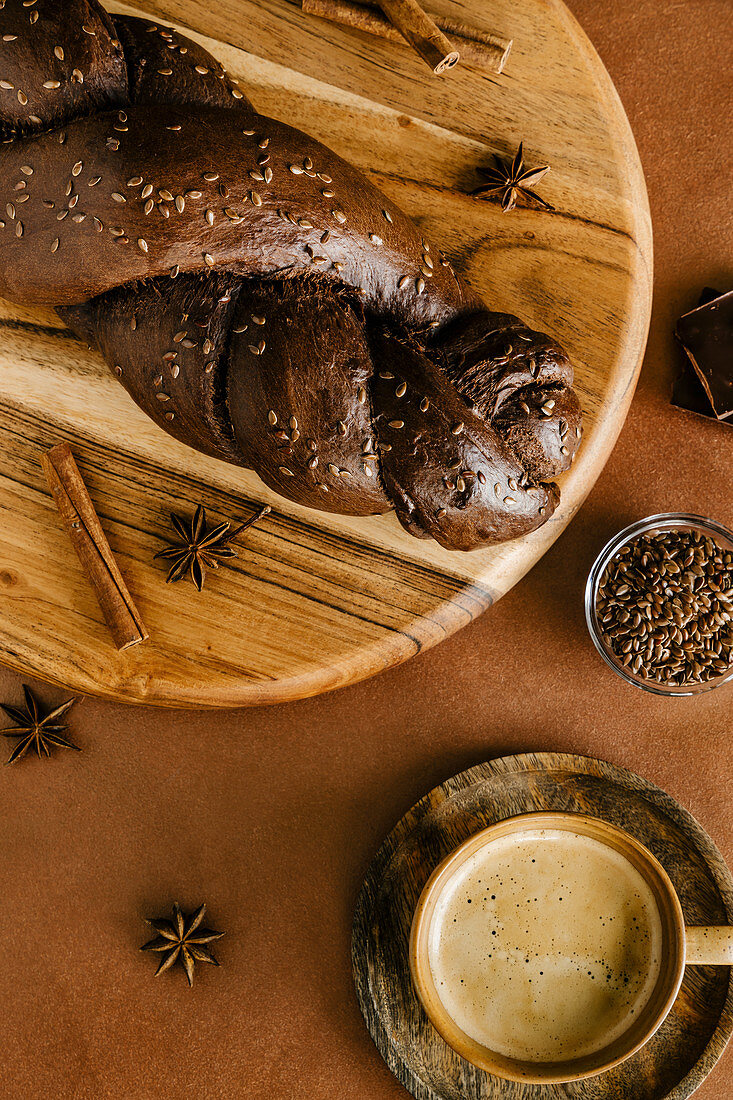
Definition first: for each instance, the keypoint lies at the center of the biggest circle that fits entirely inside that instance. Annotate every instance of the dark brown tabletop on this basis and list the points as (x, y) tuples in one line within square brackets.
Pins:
[(272, 816)]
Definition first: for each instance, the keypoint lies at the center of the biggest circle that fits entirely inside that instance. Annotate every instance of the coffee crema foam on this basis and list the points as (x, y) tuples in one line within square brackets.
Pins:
[(546, 946)]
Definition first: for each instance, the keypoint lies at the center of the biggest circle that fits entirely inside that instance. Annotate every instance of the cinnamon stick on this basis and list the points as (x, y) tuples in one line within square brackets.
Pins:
[(425, 37), (93, 550), (486, 52)]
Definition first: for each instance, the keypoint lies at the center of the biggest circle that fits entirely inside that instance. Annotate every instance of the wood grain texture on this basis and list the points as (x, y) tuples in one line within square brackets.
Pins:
[(316, 601), (684, 1050)]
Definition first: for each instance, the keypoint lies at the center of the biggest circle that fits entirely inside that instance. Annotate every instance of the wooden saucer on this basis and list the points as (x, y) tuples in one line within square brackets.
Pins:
[(684, 1050)]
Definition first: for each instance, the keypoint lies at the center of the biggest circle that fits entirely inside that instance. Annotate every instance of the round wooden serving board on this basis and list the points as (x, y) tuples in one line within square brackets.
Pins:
[(684, 1050), (315, 601)]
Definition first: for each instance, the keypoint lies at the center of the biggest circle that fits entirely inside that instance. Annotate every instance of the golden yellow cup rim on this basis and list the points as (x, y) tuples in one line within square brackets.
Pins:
[(656, 1009)]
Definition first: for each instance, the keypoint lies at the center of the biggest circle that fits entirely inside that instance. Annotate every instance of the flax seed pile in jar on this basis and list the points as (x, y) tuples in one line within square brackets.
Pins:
[(665, 607)]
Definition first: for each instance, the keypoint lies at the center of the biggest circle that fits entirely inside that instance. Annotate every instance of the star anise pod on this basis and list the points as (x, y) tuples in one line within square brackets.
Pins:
[(182, 939), (511, 180), (35, 729), (201, 548)]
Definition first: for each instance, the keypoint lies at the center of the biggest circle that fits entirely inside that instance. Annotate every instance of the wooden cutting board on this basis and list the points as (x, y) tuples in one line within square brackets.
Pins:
[(315, 601)]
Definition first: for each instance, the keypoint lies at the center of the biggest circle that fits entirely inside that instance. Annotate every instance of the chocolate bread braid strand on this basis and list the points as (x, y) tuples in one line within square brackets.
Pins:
[(257, 296)]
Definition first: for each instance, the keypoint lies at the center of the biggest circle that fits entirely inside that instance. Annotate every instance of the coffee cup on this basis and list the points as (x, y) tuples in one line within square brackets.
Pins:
[(551, 946)]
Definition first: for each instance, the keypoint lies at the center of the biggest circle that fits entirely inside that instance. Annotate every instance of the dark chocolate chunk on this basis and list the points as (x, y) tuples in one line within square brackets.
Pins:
[(706, 335), (708, 294)]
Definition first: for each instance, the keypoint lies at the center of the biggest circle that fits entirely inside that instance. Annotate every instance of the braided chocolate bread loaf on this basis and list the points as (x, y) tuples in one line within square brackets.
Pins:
[(256, 295)]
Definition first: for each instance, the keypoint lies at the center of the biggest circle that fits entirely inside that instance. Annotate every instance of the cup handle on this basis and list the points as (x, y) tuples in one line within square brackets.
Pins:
[(709, 946)]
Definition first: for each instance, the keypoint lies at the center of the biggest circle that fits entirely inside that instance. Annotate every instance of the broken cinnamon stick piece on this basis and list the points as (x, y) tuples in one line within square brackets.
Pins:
[(487, 52), (425, 37), (89, 540)]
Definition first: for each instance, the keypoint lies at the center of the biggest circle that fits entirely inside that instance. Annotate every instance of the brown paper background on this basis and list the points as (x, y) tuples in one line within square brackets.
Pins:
[(272, 816)]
